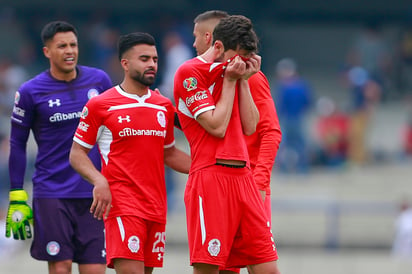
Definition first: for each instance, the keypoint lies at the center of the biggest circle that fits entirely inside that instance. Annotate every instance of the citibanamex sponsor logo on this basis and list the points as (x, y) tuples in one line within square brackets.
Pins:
[(58, 117), (142, 132)]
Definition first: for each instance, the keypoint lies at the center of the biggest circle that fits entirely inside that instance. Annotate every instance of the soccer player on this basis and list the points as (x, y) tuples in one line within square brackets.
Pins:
[(227, 225), (133, 127), (264, 143), (204, 24), (50, 105)]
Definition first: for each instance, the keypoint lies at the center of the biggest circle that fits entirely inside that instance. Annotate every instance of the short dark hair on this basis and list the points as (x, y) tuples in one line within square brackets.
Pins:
[(51, 28), (211, 14), (130, 40), (236, 32)]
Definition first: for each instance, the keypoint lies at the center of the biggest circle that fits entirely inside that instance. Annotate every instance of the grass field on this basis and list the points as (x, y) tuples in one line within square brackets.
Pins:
[(292, 261)]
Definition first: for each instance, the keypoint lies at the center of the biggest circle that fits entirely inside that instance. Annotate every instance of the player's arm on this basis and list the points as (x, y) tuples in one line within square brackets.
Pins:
[(268, 130), (249, 113), (19, 215), (270, 135), (18, 158), (102, 197), (177, 159), (216, 121)]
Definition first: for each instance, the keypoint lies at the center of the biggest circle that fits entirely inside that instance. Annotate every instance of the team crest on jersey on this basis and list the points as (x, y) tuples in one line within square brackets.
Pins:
[(17, 97), (85, 112), (161, 118), (53, 248), (214, 247), (92, 93), (133, 244), (190, 83)]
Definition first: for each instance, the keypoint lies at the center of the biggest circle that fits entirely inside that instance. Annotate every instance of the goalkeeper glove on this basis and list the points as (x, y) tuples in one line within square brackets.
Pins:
[(19, 216)]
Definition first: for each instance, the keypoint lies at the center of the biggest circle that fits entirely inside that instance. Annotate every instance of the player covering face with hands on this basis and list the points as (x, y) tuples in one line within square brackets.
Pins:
[(216, 111), (264, 143)]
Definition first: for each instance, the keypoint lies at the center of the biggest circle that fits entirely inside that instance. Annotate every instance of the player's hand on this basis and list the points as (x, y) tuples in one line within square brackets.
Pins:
[(19, 216), (235, 69), (252, 66), (102, 199)]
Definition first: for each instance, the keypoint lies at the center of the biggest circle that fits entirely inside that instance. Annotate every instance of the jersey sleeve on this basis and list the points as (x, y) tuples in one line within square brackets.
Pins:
[(192, 94), (23, 110), (89, 125), (21, 121), (268, 130), (18, 155)]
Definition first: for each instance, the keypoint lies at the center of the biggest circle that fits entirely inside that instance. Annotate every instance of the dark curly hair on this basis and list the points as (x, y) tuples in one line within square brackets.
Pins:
[(236, 32)]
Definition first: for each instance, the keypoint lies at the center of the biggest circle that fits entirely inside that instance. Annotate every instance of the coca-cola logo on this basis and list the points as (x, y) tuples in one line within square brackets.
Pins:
[(200, 95)]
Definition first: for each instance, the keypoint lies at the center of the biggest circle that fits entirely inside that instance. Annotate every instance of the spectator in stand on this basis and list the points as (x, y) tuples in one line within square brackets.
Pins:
[(332, 130), (365, 94), (294, 97)]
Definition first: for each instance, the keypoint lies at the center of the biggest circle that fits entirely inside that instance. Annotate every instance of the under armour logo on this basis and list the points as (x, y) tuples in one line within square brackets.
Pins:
[(103, 253), (121, 119), (55, 102), (159, 256)]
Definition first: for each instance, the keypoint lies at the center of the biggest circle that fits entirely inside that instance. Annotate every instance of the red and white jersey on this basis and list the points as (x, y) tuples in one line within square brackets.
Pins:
[(197, 88), (132, 133)]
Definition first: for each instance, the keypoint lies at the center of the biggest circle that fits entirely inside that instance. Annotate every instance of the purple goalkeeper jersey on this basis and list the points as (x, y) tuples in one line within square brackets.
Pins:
[(51, 109)]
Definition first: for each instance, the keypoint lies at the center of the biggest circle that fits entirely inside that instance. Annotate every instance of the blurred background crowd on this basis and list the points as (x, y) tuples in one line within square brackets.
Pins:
[(341, 78)]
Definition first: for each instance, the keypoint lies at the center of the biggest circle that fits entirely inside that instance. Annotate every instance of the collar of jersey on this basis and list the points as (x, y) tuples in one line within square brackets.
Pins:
[(140, 99)]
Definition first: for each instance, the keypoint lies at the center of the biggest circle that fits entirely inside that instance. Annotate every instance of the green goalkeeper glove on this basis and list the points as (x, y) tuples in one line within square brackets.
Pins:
[(19, 216)]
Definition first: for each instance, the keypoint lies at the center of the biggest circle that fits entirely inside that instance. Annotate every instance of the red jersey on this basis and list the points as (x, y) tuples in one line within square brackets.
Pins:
[(264, 143), (197, 87), (131, 132)]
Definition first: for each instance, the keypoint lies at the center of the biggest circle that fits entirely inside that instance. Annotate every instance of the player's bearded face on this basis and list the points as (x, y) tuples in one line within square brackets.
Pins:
[(146, 78)]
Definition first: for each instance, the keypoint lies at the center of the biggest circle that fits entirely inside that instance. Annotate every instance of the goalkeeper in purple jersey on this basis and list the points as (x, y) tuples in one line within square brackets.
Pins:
[(50, 106)]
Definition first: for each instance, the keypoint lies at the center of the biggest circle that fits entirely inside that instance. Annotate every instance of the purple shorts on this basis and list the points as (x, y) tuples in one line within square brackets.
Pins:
[(64, 229)]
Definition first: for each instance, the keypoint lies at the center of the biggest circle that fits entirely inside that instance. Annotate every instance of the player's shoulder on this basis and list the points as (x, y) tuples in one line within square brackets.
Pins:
[(194, 64), (39, 81), (197, 70), (259, 87), (258, 76), (108, 94), (157, 96), (104, 97), (88, 71)]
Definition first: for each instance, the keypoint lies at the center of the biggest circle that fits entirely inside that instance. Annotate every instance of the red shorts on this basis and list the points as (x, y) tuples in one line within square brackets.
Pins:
[(226, 222), (134, 238), (268, 210)]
